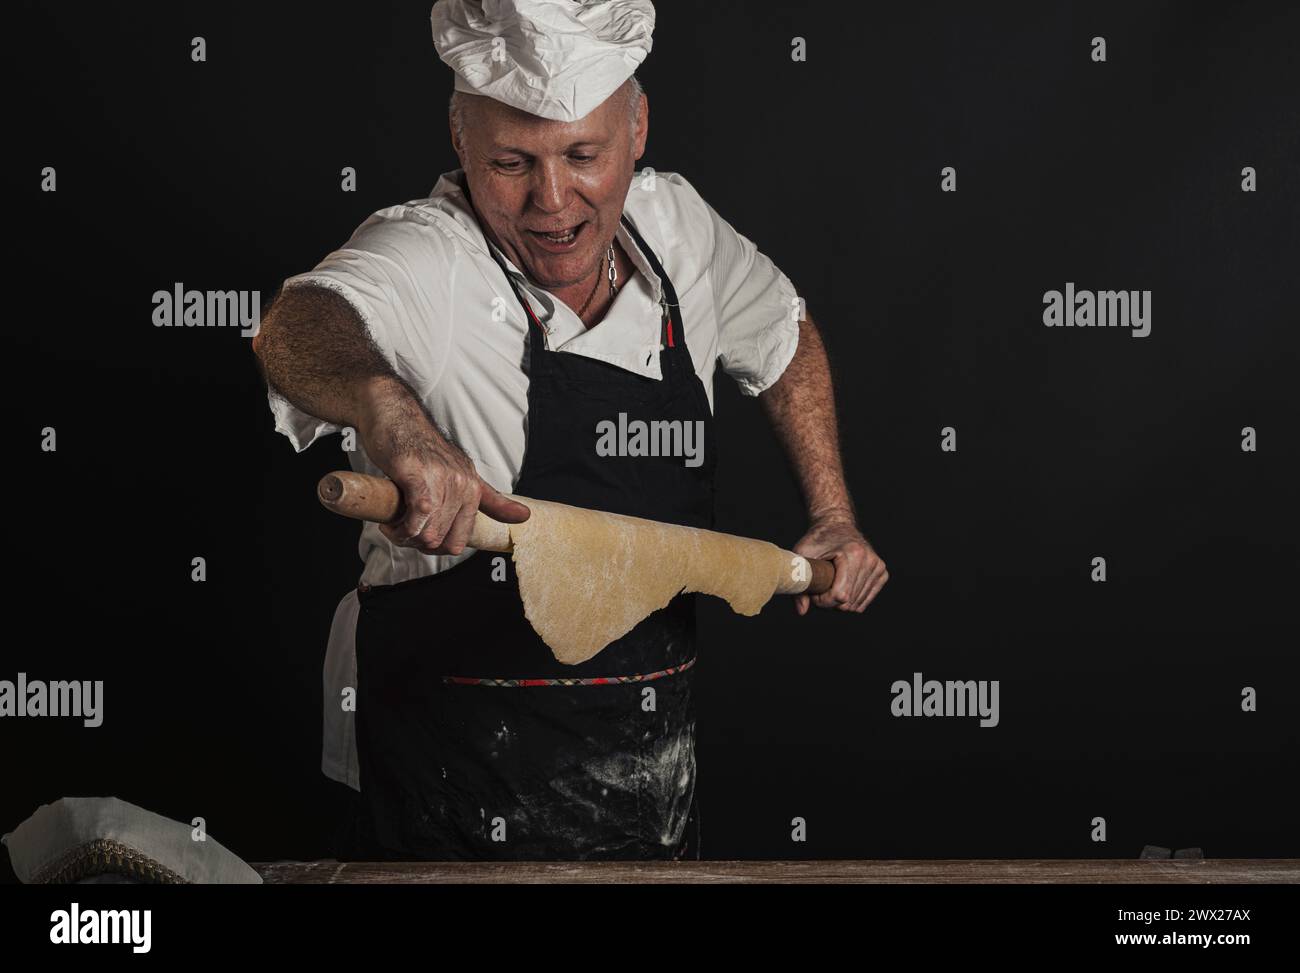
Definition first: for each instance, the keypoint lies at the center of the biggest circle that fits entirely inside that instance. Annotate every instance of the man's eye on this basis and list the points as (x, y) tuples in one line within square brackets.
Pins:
[(509, 165), (582, 158)]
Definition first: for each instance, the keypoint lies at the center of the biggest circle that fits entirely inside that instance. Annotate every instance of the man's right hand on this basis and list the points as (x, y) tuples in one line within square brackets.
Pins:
[(441, 490)]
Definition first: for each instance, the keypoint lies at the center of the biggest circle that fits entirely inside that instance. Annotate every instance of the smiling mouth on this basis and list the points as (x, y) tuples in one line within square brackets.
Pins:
[(566, 235)]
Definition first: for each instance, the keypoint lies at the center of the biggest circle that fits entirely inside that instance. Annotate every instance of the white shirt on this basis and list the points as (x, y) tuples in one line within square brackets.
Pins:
[(422, 277)]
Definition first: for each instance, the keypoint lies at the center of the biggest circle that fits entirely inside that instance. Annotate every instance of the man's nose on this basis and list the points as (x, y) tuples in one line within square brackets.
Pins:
[(550, 190)]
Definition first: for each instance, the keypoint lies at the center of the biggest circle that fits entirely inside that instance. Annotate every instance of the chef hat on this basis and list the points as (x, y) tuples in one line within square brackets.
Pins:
[(555, 58)]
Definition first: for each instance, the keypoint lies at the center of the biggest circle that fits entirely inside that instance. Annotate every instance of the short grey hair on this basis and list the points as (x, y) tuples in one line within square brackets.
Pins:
[(456, 108)]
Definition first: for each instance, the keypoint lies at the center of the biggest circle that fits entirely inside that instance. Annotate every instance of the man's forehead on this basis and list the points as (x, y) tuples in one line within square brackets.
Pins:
[(503, 126), (506, 141)]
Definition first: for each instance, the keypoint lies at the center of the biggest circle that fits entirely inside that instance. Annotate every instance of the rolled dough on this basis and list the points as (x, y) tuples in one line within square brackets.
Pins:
[(587, 577)]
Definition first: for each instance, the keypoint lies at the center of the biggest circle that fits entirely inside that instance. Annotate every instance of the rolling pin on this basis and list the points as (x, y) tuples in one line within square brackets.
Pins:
[(378, 500)]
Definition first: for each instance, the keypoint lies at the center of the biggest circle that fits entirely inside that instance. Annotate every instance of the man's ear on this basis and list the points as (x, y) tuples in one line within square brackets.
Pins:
[(642, 128), (455, 143)]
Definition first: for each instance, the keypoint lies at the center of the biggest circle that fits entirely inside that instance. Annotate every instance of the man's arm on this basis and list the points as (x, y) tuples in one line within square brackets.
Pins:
[(801, 407), (315, 350)]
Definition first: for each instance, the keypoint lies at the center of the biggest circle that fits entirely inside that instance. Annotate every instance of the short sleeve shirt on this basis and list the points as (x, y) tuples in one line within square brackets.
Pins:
[(423, 279)]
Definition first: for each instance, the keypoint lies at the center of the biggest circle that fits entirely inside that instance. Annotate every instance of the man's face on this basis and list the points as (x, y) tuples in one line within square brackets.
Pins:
[(529, 176)]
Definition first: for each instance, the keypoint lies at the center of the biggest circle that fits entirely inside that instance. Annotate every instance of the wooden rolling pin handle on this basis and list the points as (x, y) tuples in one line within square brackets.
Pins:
[(807, 576), (379, 501), (360, 497), (823, 576)]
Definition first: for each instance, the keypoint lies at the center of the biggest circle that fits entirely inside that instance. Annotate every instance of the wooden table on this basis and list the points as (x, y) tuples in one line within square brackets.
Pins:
[(908, 871)]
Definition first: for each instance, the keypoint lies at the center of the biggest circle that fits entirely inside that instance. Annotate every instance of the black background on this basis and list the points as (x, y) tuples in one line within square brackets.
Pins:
[(1119, 700)]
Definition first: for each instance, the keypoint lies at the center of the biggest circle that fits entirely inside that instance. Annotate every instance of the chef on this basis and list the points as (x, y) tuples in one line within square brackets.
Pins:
[(474, 341)]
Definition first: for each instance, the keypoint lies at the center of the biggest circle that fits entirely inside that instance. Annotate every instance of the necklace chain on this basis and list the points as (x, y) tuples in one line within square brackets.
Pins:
[(612, 275)]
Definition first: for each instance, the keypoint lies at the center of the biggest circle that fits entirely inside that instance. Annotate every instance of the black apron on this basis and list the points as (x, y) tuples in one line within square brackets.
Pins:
[(473, 741)]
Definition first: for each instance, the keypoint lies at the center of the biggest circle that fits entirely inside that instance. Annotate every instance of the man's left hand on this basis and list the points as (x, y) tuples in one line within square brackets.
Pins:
[(859, 571)]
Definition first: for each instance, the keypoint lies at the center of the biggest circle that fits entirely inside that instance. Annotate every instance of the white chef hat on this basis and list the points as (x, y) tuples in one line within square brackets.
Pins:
[(555, 58)]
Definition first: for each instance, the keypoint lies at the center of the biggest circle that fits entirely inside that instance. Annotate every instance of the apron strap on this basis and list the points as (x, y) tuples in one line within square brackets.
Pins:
[(528, 308), (672, 307)]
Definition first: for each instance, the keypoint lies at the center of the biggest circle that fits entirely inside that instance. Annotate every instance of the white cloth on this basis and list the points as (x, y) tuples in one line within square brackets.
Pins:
[(55, 830), (421, 276), (555, 58)]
